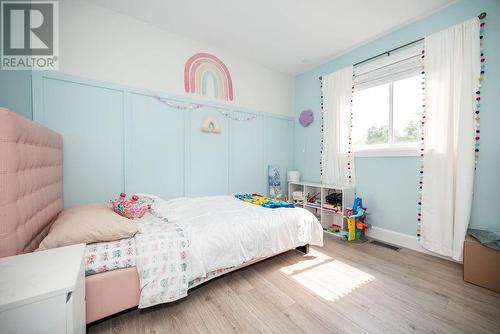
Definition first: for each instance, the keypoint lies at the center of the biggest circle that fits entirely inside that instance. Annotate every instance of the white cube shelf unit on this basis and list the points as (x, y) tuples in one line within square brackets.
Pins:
[(326, 216)]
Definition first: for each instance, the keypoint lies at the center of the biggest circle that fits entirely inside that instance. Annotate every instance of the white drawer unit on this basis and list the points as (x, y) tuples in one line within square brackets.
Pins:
[(43, 292)]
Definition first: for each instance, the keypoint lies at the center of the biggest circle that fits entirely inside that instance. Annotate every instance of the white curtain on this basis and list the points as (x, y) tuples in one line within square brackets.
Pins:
[(337, 93), (452, 69)]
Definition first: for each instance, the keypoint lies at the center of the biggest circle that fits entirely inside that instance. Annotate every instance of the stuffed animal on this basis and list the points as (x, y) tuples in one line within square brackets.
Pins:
[(130, 208)]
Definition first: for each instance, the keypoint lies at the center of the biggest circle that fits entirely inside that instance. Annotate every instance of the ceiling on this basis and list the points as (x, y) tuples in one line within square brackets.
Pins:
[(286, 35)]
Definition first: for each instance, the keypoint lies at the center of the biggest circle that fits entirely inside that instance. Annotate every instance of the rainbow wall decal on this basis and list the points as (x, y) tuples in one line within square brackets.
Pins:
[(202, 67)]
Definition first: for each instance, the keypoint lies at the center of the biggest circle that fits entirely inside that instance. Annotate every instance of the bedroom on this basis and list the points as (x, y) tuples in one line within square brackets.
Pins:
[(368, 127)]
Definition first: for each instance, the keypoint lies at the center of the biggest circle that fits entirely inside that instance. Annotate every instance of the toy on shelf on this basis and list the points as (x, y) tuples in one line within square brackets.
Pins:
[(313, 200), (334, 228), (356, 221), (298, 197), (333, 202)]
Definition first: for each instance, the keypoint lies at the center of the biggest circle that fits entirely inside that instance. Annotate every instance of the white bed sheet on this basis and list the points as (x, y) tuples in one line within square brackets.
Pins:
[(225, 232)]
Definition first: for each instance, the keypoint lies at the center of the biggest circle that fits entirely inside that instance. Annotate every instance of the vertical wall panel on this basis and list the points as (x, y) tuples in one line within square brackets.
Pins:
[(155, 148), (208, 156), (90, 120), (247, 172)]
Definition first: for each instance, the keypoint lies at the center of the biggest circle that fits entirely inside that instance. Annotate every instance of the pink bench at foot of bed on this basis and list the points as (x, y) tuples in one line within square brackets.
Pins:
[(118, 290), (111, 292)]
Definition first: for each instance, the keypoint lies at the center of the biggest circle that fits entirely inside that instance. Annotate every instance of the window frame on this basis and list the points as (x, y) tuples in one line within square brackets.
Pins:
[(391, 149)]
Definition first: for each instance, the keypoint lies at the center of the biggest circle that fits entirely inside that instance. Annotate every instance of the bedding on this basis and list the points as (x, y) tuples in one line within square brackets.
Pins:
[(226, 232), (264, 201), (163, 262), (186, 241), (87, 224), (106, 256)]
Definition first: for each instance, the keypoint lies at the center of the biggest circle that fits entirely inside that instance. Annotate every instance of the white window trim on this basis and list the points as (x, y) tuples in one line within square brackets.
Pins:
[(387, 150)]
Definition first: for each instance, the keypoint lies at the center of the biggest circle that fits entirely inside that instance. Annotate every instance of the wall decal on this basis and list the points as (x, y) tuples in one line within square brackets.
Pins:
[(306, 118), (274, 181), (202, 67), (211, 125)]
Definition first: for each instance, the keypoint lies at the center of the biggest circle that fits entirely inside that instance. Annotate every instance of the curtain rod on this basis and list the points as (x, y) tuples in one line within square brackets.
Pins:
[(480, 16)]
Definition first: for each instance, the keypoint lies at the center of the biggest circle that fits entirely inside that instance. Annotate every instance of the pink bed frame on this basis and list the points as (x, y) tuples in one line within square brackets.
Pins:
[(118, 290), (31, 197)]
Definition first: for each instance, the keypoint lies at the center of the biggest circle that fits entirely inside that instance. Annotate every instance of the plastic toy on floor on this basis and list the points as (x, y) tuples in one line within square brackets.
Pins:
[(356, 222)]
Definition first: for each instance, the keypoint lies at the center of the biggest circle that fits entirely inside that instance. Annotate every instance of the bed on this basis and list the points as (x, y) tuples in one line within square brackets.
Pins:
[(225, 234)]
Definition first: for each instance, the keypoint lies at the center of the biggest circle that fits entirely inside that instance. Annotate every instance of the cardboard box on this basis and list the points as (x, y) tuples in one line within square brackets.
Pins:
[(481, 264)]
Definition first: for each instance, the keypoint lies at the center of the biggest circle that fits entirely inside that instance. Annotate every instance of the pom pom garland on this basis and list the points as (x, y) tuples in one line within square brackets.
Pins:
[(422, 151), (477, 119)]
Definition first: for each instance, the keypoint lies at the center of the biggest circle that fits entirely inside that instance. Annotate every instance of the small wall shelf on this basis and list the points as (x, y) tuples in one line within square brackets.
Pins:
[(318, 191)]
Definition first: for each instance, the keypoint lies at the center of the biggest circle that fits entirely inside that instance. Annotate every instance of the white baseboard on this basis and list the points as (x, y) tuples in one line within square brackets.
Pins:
[(400, 240)]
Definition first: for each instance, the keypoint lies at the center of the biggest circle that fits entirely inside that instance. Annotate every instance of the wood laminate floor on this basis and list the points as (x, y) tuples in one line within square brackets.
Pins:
[(338, 288)]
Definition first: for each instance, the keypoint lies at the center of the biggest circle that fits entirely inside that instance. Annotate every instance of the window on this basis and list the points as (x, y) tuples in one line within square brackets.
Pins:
[(387, 103)]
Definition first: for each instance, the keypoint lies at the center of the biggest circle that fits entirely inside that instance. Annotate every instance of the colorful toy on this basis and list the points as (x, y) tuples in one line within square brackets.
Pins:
[(264, 201), (130, 208), (313, 199), (334, 228), (356, 221)]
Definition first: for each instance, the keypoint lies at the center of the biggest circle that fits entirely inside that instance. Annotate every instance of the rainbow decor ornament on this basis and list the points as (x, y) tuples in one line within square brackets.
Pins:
[(201, 68), (211, 125)]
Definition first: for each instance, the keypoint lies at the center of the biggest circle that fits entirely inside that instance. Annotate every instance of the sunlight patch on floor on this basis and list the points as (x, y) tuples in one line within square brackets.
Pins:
[(328, 278), (312, 259)]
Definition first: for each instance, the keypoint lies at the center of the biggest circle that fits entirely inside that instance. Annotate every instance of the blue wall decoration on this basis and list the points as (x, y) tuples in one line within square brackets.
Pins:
[(274, 180), (306, 118)]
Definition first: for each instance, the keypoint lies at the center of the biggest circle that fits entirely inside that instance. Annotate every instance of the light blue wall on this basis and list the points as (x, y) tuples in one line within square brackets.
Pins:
[(389, 185), (118, 139), (247, 163), (15, 91)]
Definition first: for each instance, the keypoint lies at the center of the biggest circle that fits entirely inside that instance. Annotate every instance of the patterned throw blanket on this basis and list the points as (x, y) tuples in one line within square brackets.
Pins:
[(162, 260), (160, 251), (266, 202), (109, 255)]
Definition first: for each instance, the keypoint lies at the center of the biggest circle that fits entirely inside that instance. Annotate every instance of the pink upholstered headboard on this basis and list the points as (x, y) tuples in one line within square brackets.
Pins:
[(31, 188)]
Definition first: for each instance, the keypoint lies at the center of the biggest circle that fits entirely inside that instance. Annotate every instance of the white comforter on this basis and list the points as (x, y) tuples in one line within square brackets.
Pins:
[(225, 232)]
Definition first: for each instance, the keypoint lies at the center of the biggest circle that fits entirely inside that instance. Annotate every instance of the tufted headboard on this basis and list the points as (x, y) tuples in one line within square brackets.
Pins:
[(31, 188)]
